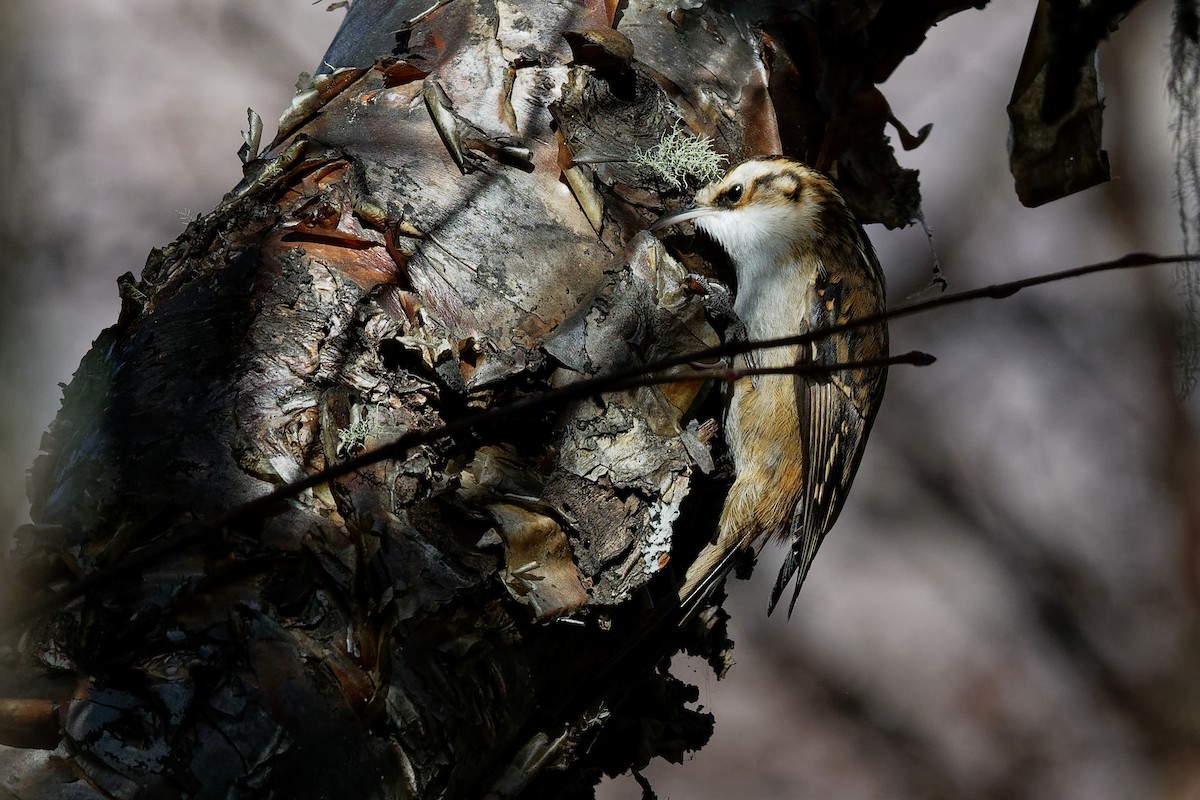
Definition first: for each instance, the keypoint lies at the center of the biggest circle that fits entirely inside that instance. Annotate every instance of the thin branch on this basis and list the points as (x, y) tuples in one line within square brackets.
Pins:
[(618, 380), (649, 374), (997, 291), (399, 447)]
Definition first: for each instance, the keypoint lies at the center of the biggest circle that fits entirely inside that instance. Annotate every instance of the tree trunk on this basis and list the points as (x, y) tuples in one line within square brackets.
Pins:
[(450, 220)]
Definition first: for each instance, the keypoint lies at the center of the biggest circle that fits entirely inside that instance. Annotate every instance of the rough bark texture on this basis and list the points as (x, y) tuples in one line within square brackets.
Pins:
[(449, 219)]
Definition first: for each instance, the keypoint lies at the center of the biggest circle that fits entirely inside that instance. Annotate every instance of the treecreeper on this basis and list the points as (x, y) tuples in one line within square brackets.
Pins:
[(802, 264)]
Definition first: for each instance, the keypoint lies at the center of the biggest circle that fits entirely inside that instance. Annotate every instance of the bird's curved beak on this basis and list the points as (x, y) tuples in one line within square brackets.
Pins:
[(682, 215)]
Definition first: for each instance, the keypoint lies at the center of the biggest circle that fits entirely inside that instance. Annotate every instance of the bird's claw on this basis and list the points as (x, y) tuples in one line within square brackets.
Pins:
[(718, 300), (718, 304)]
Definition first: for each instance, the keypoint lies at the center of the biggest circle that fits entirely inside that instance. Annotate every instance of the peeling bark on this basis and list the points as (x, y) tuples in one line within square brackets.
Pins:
[(450, 218)]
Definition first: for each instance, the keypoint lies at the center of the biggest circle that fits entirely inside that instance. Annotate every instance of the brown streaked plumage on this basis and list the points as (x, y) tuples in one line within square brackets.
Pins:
[(803, 263)]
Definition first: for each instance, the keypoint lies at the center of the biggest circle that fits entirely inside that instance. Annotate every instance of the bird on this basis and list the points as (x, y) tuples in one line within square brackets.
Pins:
[(802, 263)]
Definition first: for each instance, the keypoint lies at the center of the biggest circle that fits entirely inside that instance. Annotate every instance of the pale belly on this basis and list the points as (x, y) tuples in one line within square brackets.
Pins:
[(763, 433)]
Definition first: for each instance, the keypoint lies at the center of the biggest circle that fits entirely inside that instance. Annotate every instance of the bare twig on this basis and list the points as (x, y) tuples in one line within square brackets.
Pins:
[(618, 380)]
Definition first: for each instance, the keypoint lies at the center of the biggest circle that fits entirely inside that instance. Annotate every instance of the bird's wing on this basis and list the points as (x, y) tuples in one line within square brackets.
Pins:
[(836, 410)]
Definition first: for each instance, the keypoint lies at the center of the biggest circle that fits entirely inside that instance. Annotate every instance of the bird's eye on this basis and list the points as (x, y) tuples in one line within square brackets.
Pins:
[(733, 193)]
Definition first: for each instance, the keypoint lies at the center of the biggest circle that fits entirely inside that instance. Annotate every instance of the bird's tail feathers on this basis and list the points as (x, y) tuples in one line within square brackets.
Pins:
[(796, 564)]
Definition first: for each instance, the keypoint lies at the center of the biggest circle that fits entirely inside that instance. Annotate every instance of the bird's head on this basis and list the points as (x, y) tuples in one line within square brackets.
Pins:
[(763, 211)]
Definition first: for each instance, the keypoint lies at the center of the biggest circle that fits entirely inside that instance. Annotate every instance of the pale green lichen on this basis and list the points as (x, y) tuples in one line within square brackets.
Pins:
[(353, 437), (681, 159)]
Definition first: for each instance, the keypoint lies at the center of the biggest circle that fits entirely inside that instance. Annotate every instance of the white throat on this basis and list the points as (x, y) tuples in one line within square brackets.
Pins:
[(761, 242)]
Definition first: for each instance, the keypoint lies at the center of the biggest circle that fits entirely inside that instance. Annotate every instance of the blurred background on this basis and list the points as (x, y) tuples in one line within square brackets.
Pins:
[(1007, 607)]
